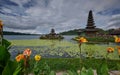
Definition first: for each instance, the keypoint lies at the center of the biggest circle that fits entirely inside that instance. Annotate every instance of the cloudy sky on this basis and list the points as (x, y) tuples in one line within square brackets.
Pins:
[(39, 16)]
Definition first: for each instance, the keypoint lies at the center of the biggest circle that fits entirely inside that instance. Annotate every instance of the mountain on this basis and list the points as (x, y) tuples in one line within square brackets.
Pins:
[(70, 32), (14, 33), (75, 31)]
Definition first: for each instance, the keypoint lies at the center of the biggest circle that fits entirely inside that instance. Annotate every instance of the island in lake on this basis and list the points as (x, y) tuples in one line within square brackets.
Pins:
[(52, 35)]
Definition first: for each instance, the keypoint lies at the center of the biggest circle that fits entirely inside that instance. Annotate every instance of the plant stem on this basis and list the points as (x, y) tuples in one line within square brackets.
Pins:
[(80, 57), (106, 57)]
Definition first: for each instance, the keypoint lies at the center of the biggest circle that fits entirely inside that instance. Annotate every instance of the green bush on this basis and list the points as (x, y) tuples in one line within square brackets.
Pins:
[(63, 64)]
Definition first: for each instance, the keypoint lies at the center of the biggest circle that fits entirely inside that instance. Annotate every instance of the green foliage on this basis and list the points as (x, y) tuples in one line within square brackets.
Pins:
[(90, 71), (70, 72), (10, 68), (6, 43), (17, 70), (100, 39), (4, 57), (52, 73), (70, 32), (63, 64), (7, 67), (102, 69), (118, 66), (83, 72)]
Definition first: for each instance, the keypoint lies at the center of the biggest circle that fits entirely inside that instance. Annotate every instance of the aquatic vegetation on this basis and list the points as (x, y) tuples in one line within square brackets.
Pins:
[(62, 49)]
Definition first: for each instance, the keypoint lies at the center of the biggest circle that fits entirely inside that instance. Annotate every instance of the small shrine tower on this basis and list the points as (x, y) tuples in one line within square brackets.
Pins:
[(52, 32), (90, 29)]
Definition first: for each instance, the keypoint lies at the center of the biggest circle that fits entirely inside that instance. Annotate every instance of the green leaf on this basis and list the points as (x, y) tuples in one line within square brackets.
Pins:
[(83, 71), (6, 43), (52, 73), (9, 68), (17, 71), (118, 66), (90, 72), (4, 57), (104, 69), (65, 74), (70, 72)]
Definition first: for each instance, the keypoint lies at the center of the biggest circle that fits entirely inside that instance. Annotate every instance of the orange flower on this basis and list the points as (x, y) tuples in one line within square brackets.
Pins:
[(118, 49), (82, 40), (110, 49), (27, 52), (1, 24), (117, 39), (19, 57)]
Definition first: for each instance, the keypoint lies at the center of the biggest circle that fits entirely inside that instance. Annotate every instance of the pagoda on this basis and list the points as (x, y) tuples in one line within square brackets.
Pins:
[(90, 29), (52, 35)]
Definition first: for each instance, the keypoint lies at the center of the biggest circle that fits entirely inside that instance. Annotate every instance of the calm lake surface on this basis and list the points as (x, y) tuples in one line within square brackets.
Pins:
[(27, 37), (45, 51)]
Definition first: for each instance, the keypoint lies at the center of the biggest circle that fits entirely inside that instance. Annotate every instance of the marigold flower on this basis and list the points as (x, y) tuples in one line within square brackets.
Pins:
[(110, 49), (117, 39), (37, 57), (27, 52), (82, 40), (19, 57)]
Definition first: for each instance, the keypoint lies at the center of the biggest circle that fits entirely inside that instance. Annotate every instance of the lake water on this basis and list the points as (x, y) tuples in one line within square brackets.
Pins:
[(37, 49), (27, 37), (46, 51)]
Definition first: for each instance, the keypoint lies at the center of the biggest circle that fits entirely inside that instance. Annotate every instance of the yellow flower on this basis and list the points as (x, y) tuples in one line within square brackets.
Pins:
[(117, 39), (19, 57), (82, 40), (27, 52), (37, 57), (110, 49)]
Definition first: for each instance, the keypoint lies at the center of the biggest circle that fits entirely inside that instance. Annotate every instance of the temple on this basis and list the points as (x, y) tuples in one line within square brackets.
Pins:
[(115, 32), (90, 29), (51, 35)]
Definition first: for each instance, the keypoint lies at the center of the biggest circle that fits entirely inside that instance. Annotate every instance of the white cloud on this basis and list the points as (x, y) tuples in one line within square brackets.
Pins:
[(59, 14), (20, 2), (114, 21)]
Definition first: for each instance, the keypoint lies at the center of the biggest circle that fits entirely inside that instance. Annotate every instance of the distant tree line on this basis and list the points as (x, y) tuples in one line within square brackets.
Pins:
[(75, 31), (14, 33)]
